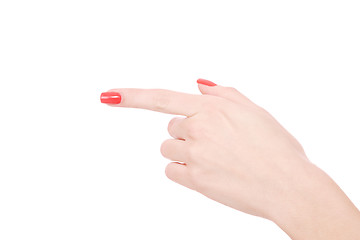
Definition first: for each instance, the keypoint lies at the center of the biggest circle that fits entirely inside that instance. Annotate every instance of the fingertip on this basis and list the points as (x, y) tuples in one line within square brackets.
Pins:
[(206, 82), (110, 97)]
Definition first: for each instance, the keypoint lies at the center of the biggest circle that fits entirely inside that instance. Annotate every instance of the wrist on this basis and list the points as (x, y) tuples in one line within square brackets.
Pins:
[(316, 208)]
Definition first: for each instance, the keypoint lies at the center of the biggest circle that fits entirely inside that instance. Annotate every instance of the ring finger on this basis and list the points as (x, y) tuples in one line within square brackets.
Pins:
[(175, 150)]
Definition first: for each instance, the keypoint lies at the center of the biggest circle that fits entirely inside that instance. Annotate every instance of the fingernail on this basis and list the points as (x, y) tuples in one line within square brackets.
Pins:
[(110, 97), (205, 82)]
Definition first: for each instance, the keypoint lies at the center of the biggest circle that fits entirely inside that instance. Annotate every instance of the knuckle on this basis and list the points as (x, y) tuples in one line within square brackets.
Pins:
[(171, 123), (169, 171), (164, 147), (261, 111), (232, 89), (161, 100)]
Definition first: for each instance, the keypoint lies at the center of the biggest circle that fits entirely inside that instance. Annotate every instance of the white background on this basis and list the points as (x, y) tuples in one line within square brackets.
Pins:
[(73, 168)]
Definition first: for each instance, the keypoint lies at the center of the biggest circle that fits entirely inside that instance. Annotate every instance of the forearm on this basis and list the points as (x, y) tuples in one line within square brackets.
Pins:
[(318, 209)]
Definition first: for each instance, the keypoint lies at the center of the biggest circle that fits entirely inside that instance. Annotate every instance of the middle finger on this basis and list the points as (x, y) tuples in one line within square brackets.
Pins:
[(176, 128)]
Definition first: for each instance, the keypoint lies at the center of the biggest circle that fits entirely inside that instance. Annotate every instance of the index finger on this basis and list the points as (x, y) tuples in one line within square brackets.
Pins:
[(159, 100)]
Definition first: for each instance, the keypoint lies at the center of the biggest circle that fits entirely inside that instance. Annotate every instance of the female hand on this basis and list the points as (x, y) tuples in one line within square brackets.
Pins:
[(233, 151)]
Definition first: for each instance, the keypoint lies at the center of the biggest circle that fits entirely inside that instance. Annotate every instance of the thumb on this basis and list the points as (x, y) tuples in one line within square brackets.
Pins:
[(230, 93)]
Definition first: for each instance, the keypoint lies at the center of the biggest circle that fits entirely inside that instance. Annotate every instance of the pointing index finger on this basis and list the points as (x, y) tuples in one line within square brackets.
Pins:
[(159, 100)]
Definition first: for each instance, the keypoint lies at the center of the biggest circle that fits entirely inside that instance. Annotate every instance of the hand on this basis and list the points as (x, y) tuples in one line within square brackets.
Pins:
[(233, 151), (229, 149)]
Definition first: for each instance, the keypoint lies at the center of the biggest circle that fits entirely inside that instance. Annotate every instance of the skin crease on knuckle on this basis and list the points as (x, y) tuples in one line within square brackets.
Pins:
[(171, 123), (161, 100), (181, 122)]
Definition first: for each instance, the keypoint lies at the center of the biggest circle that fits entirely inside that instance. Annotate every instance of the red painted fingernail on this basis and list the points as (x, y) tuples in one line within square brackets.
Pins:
[(110, 97), (205, 82)]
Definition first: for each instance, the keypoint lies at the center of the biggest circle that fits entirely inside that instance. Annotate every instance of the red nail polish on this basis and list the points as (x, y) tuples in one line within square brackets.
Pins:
[(206, 82), (110, 97)]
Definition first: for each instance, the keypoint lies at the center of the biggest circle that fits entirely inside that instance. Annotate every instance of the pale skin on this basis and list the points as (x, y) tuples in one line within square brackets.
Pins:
[(234, 152)]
